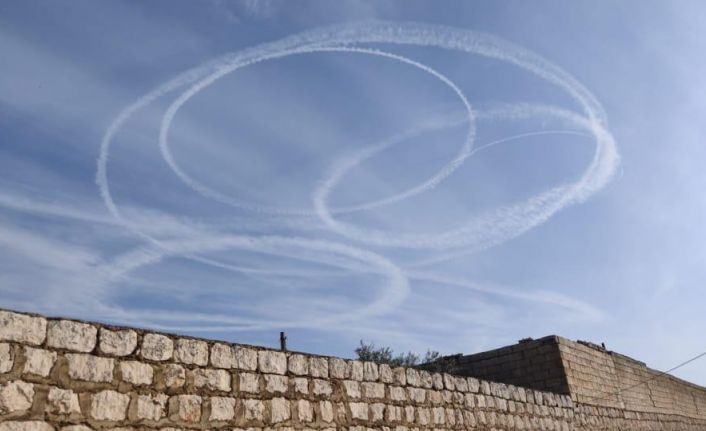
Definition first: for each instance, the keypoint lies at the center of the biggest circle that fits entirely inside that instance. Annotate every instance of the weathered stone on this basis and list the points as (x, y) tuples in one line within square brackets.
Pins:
[(425, 379), (359, 411), (137, 373), (416, 395), (25, 425), (318, 367), (275, 383), (214, 380), (356, 370), (16, 396), (305, 412), (376, 412), (373, 390), (385, 373), (190, 351), (6, 358), (338, 369), (321, 387), (370, 371), (253, 410), (62, 401), (22, 328), (393, 414), (70, 335), (76, 428), (38, 361), (156, 347), (398, 393), (399, 376), (473, 384), (173, 376), (249, 382), (150, 407), (301, 385), (222, 409), (461, 384), (185, 408), (117, 343), (109, 406), (325, 411), (279, 410), (423, 416), (352, 389), (90, 368), (298, 365), (223, 356), (438, 415), (412, 377), (272, 362), (246, 358)]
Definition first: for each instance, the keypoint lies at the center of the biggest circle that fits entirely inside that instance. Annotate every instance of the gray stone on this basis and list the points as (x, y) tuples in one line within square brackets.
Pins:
[(117, 343), (109, 406), (62, 401), (272, 362), (16, 396), (399, 376), (190, 351), (38, 361), (22, 328), (156, 347), (137, 373), (70, 335), (90, 368)]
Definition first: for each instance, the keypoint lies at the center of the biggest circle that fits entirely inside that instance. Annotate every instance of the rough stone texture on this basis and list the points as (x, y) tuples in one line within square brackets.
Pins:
[(249, 382), (117, 343), (185, 408), (38, 361), (298, 365), (189, 351), (370, 371), (25, 426), (271, 362), (90, 368), (275, 383), (338, 368), (359, 411), (222, 409), (253, 410), (6, 358), (280, 410), (16, 396), (173, 376), (22, 328), (223, 356), (214, 380), (149, 407), (325, 411), (301, 385), (156, 347), (109, 405), (70, 335), (136, 373), (318, 367), (62, 401), (246, 358), (304, 410), (321, 387)]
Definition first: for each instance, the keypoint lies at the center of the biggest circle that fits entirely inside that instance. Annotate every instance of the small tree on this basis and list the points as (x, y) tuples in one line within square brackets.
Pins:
[(385, 355)]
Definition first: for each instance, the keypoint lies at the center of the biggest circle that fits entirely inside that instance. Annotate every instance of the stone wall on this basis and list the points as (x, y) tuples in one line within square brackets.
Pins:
[(67, 375)]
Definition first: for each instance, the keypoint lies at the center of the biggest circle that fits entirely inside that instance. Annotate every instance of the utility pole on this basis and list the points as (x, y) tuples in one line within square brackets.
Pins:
[(283, 341)]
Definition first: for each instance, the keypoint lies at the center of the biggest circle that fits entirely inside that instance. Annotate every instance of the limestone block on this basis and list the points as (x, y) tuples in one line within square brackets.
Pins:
[(373, 390), (449, 382), (279, 410), (393, 414), (16, 396), (70, 335), (473, 384), (173, 376), (325, 411), (6, 358), (253, 410), (410, 414), (137, 373), (76, 428), (399, 376), (435, 397), (223, 356), (377, 411), (190, 351), (425, 379), (301, 385), (222, 409), (117, 343), (461, 384), (338, 368), (438, 415), (318, 367), (370, 371), (25, 425), (398, 393), (413, 377), (275, 383), (356, 370), (305, 412), (156, 347), (298, 365), (109, 406), (185, 408), (150, 407), (423, 416), (359, 411), (62, 401), (321, 387), (351, 388), (214, 380), (90, 368), (437, 381), (386, 373), (416, 395), (249, 382), (246, 358), (272, 362), (22, 328), (38, 361)]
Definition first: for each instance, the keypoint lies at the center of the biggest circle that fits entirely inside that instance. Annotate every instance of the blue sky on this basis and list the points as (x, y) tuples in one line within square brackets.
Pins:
[(286, 208)]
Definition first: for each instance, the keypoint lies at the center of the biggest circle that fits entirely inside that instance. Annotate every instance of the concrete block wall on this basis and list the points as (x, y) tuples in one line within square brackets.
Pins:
[(66, 375)]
